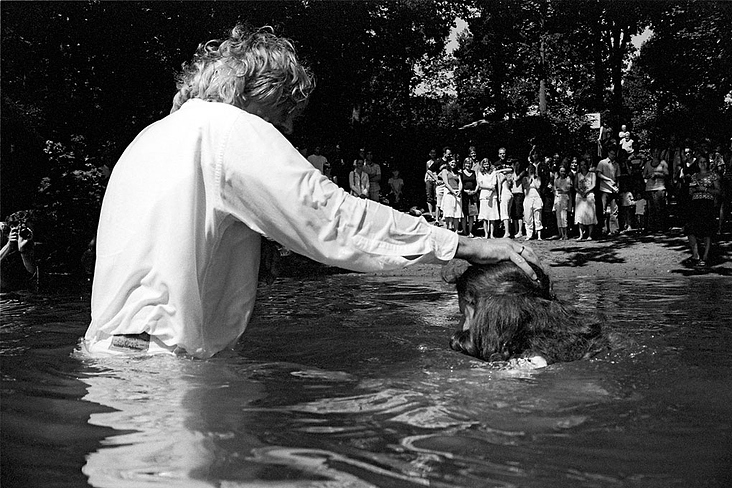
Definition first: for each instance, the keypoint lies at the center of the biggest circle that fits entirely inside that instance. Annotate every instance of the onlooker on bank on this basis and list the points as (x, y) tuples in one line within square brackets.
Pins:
[(533, 203), (505, 196), (469, 202), (471, 162), (545, 171), (430, 185), (451, 201), (717, 164), (396, 188), (339, 168), (358, 180), (488, 210), (501, 162), (562, 187), (704, 188), (516, 210), (585, 211), (440, 164), (656, 174), (682, 178), (626, 202), (608, 171), (627, 143), (318, 160), (373, 169), (640, 211)]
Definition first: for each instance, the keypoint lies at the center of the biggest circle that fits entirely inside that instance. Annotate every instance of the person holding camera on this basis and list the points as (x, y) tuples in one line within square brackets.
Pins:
[(17, 259)]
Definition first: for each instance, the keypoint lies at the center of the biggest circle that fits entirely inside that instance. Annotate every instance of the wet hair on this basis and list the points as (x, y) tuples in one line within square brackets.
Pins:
[(515, 316), (250, 65)]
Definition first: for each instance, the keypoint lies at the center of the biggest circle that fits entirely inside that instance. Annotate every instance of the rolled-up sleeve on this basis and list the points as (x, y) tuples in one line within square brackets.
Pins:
[(264, 182)]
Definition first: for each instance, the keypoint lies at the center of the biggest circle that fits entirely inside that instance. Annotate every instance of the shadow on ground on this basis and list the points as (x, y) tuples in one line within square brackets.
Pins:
[(643, 250)]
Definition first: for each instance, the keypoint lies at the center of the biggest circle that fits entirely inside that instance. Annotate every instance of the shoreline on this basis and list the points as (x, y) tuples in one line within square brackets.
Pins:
[(627, 255)]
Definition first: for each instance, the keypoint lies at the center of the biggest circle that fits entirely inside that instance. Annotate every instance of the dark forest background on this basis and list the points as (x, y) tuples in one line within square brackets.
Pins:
[(81, 79)]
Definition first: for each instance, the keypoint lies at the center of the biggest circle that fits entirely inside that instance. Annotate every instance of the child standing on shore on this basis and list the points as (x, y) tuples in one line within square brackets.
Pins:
[(396, 187), (627, 210), (640, 211)]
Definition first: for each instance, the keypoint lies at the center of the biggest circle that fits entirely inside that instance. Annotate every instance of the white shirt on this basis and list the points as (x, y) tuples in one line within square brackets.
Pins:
[(627, 144), (611, 170), (178, 242)]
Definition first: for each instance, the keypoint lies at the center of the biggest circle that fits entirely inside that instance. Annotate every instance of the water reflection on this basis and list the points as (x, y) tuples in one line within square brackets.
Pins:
[(347, 381), (148, 401)]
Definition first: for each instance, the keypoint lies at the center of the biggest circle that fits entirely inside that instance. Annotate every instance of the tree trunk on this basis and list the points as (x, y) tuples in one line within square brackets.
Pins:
[(599, 65), (616, 66), (542, 79)]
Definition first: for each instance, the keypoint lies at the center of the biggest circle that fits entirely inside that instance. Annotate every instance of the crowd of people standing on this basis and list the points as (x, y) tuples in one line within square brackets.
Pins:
[(615, 189), (362, 177)]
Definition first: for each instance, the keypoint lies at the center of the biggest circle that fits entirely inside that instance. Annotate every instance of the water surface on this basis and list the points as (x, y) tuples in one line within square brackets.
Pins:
[(347, 381)]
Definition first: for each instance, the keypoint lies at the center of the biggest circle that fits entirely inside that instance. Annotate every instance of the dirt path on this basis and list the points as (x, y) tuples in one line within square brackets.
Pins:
[(626, 255)]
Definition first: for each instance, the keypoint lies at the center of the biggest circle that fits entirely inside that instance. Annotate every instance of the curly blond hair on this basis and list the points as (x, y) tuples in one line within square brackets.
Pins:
[(251, 65)]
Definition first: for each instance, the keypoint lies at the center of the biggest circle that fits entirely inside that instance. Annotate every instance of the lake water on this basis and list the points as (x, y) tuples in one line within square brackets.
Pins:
[(347, 381)]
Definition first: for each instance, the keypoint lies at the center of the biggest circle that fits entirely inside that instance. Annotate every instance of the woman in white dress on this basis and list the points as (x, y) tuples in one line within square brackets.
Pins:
[(488, 211), (562, 187), (585, 211), (451, 203)]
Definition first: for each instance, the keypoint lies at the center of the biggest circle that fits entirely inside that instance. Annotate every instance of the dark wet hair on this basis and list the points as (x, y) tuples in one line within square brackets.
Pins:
[(517, 317)]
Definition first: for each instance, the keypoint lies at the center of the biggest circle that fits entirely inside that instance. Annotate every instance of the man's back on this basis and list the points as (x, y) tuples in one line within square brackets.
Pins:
[(160, 231)]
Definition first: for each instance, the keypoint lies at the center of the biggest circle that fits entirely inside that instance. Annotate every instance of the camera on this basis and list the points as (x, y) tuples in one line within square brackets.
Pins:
[(25, 232)]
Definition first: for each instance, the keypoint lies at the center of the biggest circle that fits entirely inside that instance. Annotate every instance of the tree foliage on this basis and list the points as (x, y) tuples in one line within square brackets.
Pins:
[(559, 58), (74, 186), (90, 75), (686, 70), (102, 71)]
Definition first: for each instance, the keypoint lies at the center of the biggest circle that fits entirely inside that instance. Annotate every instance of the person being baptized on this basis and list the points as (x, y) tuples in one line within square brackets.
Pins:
[(507, 317)]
